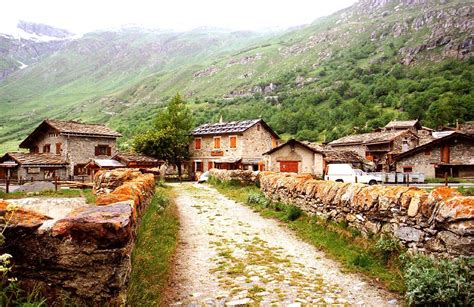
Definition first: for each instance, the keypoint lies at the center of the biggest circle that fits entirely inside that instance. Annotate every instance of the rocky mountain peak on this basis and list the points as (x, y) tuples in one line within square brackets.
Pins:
[(43, 30), (375, 4)]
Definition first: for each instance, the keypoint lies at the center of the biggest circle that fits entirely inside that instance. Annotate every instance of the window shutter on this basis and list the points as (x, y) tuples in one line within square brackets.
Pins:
[(109, 151), (97, 153)]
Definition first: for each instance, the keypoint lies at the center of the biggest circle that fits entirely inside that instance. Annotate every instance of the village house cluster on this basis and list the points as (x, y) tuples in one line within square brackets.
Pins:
[(74, 151)]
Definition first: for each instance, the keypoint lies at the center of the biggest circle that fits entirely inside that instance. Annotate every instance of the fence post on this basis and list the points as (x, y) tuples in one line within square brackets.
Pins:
[(56, 183), (446, 178), (7, 189)]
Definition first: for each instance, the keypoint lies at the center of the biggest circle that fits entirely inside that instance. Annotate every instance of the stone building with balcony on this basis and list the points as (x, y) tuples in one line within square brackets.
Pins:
[(231, 145)]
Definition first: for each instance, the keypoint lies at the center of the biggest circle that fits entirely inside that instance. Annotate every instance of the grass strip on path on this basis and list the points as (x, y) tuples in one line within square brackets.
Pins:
[(154, 249), (347, 245)]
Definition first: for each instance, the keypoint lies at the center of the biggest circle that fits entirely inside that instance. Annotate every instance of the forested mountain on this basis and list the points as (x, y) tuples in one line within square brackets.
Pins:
[(345, 73)]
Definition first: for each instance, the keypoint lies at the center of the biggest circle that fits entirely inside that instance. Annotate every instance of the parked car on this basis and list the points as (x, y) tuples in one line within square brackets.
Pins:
[(345, 173), (204, 177)]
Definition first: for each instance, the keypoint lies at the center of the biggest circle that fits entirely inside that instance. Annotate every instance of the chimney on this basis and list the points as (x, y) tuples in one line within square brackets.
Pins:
[(221, 120)]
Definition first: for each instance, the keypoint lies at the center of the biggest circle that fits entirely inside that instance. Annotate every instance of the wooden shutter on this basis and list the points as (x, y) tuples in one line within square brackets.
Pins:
[(217, 142), (97, 152), (233, 142), (109, 151), (58, 148), (197, 144), (209, 165), (445, 153)]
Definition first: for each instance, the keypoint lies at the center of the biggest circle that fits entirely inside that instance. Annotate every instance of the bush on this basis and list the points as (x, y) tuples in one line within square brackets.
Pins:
[(258, 199), (293, 213), (362, 260), (387, 247), (438, 282), (469, 191)]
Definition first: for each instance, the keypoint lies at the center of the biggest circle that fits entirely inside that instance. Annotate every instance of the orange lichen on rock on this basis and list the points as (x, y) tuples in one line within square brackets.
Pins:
[(15, 216), (456, 208), (444, 193)]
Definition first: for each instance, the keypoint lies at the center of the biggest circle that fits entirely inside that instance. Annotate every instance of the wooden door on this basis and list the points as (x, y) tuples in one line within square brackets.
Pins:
[(289, 166), (445, 153)]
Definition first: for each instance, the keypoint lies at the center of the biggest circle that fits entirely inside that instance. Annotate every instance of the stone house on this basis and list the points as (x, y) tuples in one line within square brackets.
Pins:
[(309, 158), (73, 143), (231, 145), (40, 166), (452, 154), (378, 146)]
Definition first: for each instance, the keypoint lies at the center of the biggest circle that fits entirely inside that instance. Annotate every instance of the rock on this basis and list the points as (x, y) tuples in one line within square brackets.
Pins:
[(106, 226), (457, 244), (239, 303), (19, 217), (372, 227), (37, 186), (408, 234), (435, 245)]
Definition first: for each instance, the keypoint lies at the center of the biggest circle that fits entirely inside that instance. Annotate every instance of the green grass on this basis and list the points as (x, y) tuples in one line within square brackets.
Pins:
[(466, 191), (344, 244), (153, 252), (87, 193), (450, 180)]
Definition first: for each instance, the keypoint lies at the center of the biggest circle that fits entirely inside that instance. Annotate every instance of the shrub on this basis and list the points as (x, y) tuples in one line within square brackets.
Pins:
[(293, 213), (386, 247), (257, 198), (438, 282), (469, 191), (362, 260)]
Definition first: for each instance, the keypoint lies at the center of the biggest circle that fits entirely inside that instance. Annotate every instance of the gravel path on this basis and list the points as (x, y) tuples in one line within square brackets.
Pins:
[(230, 255)]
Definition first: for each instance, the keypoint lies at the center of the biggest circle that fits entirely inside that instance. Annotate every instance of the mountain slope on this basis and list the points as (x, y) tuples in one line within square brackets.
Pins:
[(344, 73)]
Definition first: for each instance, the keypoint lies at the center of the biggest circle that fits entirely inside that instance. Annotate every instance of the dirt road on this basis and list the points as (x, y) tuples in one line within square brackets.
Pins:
[(230, 255)]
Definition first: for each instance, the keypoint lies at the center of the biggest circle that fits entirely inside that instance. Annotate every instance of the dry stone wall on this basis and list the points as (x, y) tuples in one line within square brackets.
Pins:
[(83, 256), (440, 222), (244, 177)]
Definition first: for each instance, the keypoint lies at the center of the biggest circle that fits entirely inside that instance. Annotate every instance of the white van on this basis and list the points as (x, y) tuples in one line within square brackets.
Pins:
[(345, 173)]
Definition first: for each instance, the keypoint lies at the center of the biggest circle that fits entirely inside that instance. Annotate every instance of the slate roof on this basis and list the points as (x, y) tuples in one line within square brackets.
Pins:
[(403, 124), (70, 128), (137, 158), (230, 127), (73, 127), (26, 159), (369, 138), (342, 156)]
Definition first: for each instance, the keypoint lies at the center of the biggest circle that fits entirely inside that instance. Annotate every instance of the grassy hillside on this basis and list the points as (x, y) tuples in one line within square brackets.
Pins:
[(345, 73)]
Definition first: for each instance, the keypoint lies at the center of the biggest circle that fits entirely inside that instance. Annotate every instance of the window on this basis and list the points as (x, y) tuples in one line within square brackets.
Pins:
[(258, 127), (217, 142), (198, 166), (197, 144), (408, 169), (427, 152), (368, 156), (58, 148), (47, 148), (103, 150), (233, 141)]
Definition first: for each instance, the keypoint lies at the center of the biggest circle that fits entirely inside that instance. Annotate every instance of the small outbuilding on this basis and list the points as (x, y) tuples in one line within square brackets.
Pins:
[(32, 166), (302, 157), (131, 160)]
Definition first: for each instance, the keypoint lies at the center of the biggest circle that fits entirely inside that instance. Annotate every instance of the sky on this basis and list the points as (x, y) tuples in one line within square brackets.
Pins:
[(81, 16)]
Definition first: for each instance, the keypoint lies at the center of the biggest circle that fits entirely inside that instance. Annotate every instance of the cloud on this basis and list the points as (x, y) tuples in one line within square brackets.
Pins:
[(88, 15)]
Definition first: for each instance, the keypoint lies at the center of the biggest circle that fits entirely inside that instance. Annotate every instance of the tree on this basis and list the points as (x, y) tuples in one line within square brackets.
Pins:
[(170, 137)]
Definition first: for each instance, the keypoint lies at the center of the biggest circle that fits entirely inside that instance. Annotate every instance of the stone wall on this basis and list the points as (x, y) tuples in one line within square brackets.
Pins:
[(79, 254), (440, 222), (245, 177)]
